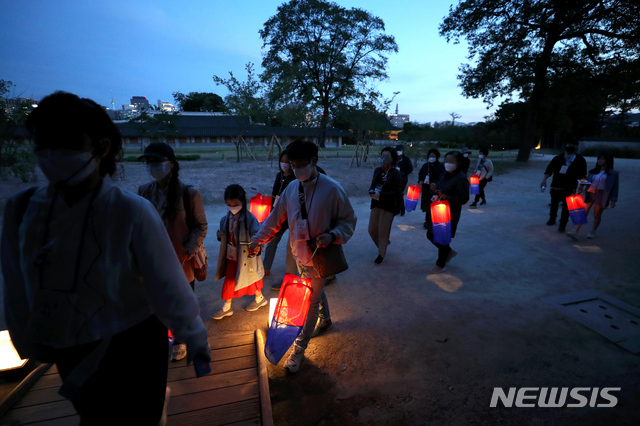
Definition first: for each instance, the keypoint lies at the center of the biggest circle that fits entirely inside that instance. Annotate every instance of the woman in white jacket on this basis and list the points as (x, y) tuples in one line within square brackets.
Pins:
[(91, 280), (484, 170)]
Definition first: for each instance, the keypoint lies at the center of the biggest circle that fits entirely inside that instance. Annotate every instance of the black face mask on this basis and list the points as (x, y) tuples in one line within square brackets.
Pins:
[(570, 149)]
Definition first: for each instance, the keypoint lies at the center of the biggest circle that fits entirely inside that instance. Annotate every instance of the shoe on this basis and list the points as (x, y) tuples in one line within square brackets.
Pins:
[(562, 228), (452, 254), (426, 225), (329, 281), (295, 359), (276, 286), (483, 202), (473, 205), (551, 222), (378, 260), (436, 269), (591, 235), (573, 234), (321, 327), (267, 272), (254, 306), (402, 213), (222, 313), (178, 352)]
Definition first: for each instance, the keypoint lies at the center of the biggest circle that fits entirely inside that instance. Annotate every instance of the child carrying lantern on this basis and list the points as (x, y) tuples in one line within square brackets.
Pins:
[(452, 187), (242, 274)]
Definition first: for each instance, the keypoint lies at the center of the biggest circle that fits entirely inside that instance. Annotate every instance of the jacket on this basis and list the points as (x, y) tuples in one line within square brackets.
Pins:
[(181, 236), (455, 188), (610, 186), (391, 193), (435, 171), (250, 269), (405, 167), (484, 169), (566, 181)]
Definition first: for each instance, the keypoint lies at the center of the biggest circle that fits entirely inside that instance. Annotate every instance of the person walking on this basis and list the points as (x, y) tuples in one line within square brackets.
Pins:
[(566, 170), (484, 171), (602, 192), (182, 211), (283, 178), (431, 171), (241, 271), (90, 275), (466, 161), (386, 196), (405, 167), (453, 186), (319, 212)]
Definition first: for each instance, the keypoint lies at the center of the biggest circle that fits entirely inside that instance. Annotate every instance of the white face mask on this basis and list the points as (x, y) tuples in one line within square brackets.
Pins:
[(481, 156), (432, 159), (159, 171), (234, 209), (285, 166), (66, 165), (399, 153), (303, 173), (465, 155), (450, 167)]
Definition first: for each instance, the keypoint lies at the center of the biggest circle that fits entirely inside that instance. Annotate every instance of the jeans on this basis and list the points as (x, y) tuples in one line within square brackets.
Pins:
[(318, 308), (270, 253), (481, 186)]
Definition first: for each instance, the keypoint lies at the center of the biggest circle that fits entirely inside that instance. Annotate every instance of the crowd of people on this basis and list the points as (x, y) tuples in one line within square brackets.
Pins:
[(92, 271)]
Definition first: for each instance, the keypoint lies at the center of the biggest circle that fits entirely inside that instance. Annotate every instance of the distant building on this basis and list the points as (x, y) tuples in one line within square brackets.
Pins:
[(14, 104), (140, 102), (398, 120), (129, 111), (166, 106)]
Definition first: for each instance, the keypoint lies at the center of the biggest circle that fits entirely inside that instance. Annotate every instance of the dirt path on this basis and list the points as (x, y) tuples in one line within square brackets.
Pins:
[(408, 348)]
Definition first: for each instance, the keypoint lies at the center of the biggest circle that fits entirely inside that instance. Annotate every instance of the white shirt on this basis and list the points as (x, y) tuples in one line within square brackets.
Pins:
[(128, 267)]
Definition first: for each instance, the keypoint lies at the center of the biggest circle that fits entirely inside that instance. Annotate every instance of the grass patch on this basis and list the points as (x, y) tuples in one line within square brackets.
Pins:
[(503, 167), (179, 157)]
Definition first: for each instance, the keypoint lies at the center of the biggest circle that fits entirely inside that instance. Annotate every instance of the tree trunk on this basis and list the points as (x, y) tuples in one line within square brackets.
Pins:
[(323, 126)]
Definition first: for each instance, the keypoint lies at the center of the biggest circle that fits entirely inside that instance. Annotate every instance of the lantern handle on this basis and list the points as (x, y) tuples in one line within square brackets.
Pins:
[(305, 265)]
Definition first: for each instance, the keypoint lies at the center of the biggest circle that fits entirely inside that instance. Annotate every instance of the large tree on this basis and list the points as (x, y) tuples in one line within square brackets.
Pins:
[(519, 46), (199, 102), (324, 54)]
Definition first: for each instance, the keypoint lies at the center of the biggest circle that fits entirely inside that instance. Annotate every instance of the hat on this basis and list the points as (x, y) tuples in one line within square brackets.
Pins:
[(158, 150), (400, 147), (465, 150)]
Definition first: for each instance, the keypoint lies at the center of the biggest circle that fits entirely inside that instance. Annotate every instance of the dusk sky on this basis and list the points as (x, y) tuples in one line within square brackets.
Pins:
[(153, 48)]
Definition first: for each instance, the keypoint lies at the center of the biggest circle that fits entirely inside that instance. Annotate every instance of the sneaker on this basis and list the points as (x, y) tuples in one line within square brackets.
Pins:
[(426, 225), (295, 359), (573, 234), (452, 254), (551, 222), (473, 205), (329, 281), (562, 228), (591, 235), (222, 313), (254, 306), (276, 286), (321, 327), (178, 352), (378, 260), (483, 202), (436, 269)]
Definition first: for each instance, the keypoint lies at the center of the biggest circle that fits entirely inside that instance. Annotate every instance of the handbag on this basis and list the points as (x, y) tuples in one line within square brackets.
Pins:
[(327, 261), (200, 260)]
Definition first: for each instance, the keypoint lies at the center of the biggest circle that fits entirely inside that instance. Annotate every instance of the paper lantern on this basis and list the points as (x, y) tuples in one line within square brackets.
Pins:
[(576, 209), (289, 316), (171, 340), (441, 222), (413, 195), (475, 184), (260, 207), (9, 358)]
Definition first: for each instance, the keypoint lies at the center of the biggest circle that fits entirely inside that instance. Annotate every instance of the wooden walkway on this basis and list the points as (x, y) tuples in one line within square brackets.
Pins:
[(236, 393)]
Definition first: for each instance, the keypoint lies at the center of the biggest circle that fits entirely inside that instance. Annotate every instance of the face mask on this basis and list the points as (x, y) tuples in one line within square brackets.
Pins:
[(303, 173), (66, 165), (432, 159), (465, 155), (386, 161), (159, 171), (450, 167), (234, 209), (285, 166), (481, 156), (399, 153), (570, 149)]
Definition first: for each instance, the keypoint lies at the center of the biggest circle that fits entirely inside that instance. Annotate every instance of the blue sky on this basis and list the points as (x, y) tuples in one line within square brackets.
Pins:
[(153, 48)]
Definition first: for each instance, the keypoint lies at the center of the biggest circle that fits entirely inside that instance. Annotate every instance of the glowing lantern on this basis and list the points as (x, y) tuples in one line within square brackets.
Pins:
[(289, 316), (475, 184), (9, 358), (441, 222), (576, 209), (171, 340), (413, 195), (260, 207)]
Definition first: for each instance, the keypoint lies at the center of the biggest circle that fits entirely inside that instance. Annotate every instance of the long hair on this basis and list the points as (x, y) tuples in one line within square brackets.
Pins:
[(608, 158), (173, 192), (236, 192)]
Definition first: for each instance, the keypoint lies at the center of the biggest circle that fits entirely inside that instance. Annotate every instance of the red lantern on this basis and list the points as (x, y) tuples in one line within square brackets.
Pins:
[(441, 222), (475, 184), (413, 194), (575, 204), (260, 207)]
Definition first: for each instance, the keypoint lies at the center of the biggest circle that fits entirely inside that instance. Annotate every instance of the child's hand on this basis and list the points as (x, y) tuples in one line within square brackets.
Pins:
[(254, 249)]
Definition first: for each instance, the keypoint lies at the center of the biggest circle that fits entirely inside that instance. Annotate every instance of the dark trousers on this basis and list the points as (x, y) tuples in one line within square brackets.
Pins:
[(129, 385), (558, 196), (481, 186), (443, 251)]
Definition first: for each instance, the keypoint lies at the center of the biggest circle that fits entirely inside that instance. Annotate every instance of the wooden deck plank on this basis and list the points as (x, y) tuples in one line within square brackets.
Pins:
[(210, 382), (63, 421), (38, 413), (212, 398), (217, 367), (42, 396), (222, 354), (221, 415), (265, 395), (231, 340), (48, 381), (25, 385)]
